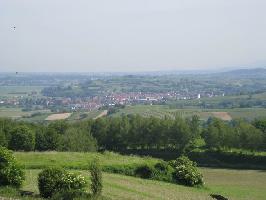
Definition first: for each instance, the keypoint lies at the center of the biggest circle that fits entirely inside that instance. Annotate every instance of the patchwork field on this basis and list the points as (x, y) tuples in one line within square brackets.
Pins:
[(224, 114), (9, 91), (16, 113), (58, 116), (12, 112)]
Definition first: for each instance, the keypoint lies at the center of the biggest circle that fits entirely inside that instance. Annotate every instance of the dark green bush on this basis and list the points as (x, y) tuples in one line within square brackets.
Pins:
[(10, 172), (186, 172), (96, 179), (163, 172), (128, 170), (145, 171), (55, 180), (161, 166), (49, 181)]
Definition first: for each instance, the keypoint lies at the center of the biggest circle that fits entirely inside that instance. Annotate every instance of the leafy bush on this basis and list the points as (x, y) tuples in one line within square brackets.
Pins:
[(75, 182), (49, 181), (3, 139), (96, 179), (10, 172), (145, 171), (55, 180), (163, 172), (186, 172), (128, 170), (77, 140)]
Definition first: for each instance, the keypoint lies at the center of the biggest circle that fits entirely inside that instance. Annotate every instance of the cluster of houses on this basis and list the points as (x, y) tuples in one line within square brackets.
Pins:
[(96, 102)]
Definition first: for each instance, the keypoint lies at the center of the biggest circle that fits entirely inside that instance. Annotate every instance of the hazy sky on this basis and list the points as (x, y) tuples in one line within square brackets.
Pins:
[(131, 35)]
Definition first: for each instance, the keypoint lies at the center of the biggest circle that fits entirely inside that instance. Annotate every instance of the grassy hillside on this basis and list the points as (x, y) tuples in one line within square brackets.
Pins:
[(234, 184)]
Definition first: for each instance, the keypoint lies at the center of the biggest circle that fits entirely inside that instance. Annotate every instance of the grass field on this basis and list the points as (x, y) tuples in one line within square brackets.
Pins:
[(12, 112), (16, 113), (9, 91), (161, 111), (42, 115), (234, 184)]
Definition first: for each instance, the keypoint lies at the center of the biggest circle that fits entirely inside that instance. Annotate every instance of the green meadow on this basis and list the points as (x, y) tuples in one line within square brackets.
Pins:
[(233, 184)]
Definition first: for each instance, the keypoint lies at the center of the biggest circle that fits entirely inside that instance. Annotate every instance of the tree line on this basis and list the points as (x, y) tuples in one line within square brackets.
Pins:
[(133, 132)]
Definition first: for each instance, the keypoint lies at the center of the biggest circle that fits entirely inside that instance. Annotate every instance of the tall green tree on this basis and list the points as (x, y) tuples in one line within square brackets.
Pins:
[(77, 140), (22, 139)]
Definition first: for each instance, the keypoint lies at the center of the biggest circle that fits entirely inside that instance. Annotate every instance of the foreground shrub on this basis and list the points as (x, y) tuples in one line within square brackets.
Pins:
[(161, 171), (10, 172), (145, 171), (49, 181), (96, 179), (55, 180), (186, 172)]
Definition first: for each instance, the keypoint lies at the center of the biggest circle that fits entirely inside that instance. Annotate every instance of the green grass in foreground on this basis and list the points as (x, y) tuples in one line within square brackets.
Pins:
[(235, 184)]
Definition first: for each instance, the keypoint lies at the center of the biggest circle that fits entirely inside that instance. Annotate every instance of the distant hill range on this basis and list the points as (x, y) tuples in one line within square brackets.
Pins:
[(245, 73)]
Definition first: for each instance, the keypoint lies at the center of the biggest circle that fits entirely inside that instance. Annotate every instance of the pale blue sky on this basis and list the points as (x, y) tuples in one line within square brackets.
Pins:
[(131, 35)]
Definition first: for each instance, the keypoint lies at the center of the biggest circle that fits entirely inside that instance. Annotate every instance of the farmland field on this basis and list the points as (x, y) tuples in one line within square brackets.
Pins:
[(234, 184), (143, 110), (162, 110), (12, 112), (45, 115), (19, 90), (77, 116), (16, 113), (58, 116)]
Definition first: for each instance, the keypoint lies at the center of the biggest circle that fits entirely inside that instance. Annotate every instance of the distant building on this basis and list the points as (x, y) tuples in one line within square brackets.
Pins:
[(198, 96)]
